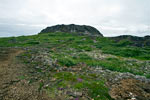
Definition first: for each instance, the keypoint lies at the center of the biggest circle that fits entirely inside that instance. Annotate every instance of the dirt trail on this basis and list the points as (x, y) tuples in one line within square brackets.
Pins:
[(11, 87), (7, 70)]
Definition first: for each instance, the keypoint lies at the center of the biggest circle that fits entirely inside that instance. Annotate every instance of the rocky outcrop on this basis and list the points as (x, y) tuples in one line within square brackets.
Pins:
[(72, 28), (136, 41)]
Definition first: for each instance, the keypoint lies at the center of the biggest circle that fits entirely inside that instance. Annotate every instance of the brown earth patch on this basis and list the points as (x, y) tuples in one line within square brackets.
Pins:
[(130, 89), (11, 87)]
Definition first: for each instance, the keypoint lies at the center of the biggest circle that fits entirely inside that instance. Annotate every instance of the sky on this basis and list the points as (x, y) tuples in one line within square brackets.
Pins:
[(110, 17)]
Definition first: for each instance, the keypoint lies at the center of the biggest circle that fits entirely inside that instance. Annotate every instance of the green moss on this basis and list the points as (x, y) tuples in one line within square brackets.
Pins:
[(148, 75), (66, 62), (84, 56)]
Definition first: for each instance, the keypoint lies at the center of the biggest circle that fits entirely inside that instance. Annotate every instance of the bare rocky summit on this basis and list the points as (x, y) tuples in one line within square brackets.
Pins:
[(72, 28)]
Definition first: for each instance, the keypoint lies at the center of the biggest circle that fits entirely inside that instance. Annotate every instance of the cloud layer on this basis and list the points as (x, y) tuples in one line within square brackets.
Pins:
[(111, 17)]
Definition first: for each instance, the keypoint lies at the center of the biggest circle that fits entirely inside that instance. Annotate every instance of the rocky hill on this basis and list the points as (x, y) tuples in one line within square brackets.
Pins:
[(60, 65), (72, 28), (135, 40)]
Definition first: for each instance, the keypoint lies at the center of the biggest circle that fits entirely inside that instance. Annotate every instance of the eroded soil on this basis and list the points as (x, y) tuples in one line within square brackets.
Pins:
[(12, 84), (130, 89)]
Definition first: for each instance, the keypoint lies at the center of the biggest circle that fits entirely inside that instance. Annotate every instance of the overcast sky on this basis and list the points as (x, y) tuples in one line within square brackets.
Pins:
[(110, 17)]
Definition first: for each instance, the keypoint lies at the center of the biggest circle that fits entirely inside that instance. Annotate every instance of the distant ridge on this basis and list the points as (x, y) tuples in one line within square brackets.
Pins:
[(137, 41), (72, 28)]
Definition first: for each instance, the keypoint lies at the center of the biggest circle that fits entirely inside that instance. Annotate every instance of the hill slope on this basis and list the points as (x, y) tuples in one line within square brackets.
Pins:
[(73, 67)]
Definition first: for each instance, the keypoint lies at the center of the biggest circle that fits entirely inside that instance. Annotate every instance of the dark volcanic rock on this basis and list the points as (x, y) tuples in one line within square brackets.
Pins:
[(72, 28)]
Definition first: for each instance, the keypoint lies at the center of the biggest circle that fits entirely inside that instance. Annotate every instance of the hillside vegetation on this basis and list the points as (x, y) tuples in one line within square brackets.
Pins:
[(74, 67)]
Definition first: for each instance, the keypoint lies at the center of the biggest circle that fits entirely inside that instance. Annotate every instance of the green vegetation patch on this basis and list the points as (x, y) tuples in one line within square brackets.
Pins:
[(95, 87)]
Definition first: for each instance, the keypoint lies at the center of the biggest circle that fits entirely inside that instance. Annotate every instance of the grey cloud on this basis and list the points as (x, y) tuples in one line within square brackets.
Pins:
[(18, 30), (111, 17)]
